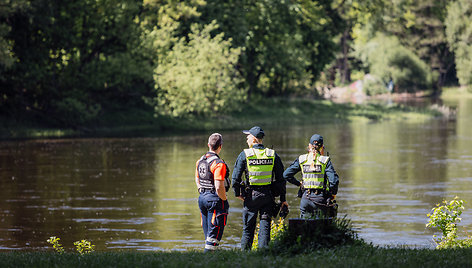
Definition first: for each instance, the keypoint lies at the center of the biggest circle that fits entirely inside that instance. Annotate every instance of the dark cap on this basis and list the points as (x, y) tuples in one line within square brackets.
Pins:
[(316, 138), (255, 131)]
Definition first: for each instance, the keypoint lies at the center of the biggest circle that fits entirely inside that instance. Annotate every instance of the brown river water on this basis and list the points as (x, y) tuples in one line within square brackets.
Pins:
[(139, 193)]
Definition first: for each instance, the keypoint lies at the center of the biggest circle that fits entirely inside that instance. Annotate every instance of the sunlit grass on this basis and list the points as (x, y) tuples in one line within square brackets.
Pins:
[(456, 92), (344, 256), (334, 245)]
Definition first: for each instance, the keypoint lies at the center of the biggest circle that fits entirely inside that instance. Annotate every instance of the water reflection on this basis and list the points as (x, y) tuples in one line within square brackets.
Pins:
[(139, 193)]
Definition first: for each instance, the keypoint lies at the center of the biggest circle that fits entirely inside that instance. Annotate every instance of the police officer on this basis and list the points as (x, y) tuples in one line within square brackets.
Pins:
[(319, 180), (211, 175), (263, 170)]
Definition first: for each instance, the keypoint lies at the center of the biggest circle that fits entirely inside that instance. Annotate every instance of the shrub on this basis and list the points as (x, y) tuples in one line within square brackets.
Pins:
[(459, 18), (444, 218), (276, 229), (387, 58), (373, 85), (75, 111), (328, 234), (54, 241), (83, 246), (199, 76)]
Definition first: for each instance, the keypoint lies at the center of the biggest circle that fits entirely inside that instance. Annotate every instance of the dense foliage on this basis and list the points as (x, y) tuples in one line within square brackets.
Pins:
[(313, 236), (420, 28), (459, 36), (198, 76), (389, 60), (74, 59), (74, 63), (445, 218)]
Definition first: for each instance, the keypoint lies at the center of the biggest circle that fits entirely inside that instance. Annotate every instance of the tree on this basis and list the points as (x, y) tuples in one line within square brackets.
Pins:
[(76, 59), (194, 65), (459, 37), (285, 44), (355, 15), (198, 76), (387, 59), (419, 25), (6, 55)]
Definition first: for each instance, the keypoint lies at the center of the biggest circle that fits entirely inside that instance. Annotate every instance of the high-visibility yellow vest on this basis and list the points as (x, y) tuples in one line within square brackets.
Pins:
[(313, 170), (260, 163)]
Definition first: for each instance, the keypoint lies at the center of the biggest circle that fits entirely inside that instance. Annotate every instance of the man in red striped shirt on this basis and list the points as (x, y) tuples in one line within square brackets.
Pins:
[(210, 176)]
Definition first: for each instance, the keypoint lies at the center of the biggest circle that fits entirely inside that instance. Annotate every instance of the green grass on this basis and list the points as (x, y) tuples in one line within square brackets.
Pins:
[(457, 92), (322, 245), (344, 256), (269, 112)]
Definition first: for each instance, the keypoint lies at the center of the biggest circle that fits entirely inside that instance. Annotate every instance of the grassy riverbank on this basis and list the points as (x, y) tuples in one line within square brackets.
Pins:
[(344, 256), (456, 92), (267, 112)]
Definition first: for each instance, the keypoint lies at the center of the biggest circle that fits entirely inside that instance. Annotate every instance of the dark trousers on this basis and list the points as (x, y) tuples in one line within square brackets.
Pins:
[(214, 213), (313, 206), (256, 202)]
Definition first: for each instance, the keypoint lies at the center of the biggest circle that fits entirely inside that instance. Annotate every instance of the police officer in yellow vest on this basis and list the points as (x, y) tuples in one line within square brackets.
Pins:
[(319, 183), (263, 181)]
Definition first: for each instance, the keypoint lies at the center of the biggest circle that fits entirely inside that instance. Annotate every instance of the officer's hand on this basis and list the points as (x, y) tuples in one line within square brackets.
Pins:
[(240, 198)]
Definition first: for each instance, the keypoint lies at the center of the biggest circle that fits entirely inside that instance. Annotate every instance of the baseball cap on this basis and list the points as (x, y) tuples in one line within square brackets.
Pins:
[(255, 131), (316, 137)]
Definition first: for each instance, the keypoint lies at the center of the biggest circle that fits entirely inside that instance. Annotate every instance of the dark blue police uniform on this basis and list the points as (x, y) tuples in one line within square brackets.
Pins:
[(213, 209), (315, 201), (257, 200)]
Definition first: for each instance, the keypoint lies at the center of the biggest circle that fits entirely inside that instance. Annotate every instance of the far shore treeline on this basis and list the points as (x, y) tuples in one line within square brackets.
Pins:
[(73, 64)]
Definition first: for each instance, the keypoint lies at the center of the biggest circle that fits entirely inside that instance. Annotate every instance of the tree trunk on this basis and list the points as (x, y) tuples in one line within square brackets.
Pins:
[(343, 62)]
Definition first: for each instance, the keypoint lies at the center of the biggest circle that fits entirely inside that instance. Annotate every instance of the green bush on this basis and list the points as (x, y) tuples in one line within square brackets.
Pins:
[(387, 59), (373, 85), (276, 229), (459, 18), (445, 218), (199, 76), (83, 246), (464, 64), (75, 112), (328, 234), (54, 241)]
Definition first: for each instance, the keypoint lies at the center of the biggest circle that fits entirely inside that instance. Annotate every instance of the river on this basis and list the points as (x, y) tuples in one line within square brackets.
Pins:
[(139, 193)]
